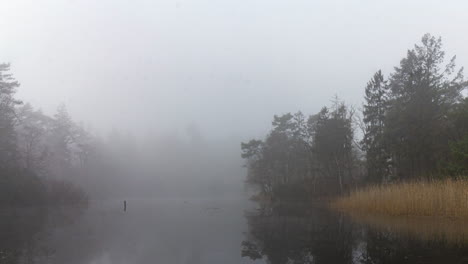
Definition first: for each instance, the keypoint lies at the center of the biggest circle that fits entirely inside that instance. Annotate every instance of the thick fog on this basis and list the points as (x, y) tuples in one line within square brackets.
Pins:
[(187, 81)]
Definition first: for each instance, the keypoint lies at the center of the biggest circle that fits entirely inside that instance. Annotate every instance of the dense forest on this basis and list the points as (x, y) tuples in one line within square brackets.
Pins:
[(37, 151), (51, 159), (413, 125)]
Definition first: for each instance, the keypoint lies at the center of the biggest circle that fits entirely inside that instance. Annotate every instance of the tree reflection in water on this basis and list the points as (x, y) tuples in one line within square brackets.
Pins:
[(188, 234), (292, 235), (22, 231), (286, 234)]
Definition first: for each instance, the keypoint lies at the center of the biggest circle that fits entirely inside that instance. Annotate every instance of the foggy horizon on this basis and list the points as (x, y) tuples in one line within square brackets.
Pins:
[(158, 67)]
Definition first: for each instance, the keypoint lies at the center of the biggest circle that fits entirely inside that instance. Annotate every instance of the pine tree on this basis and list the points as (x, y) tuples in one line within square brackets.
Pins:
[(8, 85), (333, 144), (375, 107), (423, 91)]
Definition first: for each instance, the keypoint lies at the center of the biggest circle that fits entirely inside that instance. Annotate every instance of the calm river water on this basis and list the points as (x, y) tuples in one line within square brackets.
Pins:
[(222, 231)]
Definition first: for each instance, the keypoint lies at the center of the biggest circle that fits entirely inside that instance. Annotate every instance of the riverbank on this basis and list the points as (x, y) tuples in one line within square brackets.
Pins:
[(444, 198)]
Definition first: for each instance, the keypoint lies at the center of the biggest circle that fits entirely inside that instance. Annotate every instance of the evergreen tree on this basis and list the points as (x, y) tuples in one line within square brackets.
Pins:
[(423, 91), (8, 85), (333, 144), (32, 129), (375, 107)]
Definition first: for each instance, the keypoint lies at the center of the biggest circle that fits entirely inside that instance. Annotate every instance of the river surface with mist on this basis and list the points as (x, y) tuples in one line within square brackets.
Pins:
[(217, 230)]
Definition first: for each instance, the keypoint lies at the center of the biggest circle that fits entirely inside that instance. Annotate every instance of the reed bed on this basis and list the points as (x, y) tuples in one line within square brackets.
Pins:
[(443, 198)]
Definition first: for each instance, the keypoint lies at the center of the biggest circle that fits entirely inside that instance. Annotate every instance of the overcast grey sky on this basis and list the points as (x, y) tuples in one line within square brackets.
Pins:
[(225, 65)]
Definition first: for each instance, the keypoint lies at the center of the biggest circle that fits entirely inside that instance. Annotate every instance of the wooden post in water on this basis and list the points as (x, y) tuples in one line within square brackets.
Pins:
[(125, 205)]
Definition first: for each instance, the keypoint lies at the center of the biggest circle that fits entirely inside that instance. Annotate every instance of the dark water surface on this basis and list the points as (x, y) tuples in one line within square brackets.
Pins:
[(222, 231)]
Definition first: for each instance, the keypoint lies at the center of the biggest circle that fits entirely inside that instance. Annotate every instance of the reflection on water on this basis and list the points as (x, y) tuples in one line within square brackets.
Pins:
[(18, 234), (222, 232), (318, 235), (22, 231), (451, 231), (174, 231), (292, 235)]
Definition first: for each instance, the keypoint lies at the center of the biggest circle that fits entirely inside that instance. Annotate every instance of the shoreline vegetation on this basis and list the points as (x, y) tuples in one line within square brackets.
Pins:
[(413, 124), (42, 157), (446, 198)]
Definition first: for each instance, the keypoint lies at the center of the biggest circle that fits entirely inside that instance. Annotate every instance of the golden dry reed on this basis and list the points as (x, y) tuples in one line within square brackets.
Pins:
[(443, 198)]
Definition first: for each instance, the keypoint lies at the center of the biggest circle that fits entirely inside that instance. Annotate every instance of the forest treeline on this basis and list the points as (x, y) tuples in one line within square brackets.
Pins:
[(413, 124), (37, 150), (51, 159), (54, 160)]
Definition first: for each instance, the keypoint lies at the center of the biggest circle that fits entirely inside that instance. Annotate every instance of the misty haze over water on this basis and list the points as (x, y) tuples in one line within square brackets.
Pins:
[(177, 131)]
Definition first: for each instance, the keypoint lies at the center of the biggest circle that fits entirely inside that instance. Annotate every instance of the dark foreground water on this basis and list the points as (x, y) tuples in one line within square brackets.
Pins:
[(214, 231)]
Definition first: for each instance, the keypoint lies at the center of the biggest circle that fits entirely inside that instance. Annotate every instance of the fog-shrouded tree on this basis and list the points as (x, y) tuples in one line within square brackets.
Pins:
[(373, 143), (333, 137), (257, 173), (17, 186), (32, 130), (459, 120), (8, 86), (61, 138), (423, 91), (304, 157), (414, 125), (280, 164), (83, 147), (458, 157)]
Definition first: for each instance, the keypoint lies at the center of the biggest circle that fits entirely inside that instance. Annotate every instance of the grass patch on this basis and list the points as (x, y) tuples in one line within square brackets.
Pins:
[(442, 198)]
